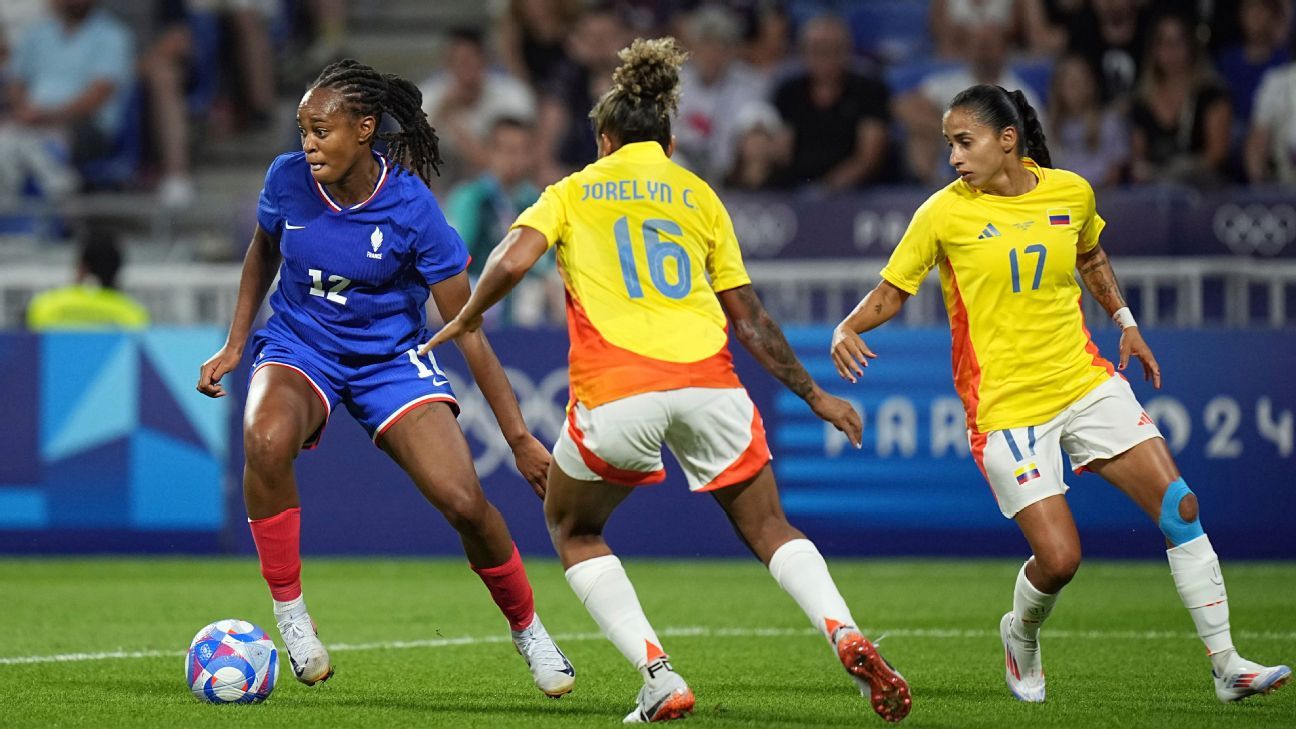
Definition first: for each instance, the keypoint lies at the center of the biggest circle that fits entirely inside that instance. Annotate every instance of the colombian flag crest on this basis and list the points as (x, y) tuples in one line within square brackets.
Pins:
[(1059, 216)]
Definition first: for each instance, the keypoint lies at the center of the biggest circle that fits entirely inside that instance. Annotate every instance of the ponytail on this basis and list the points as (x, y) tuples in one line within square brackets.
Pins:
[(999, 109), (1033, 143)]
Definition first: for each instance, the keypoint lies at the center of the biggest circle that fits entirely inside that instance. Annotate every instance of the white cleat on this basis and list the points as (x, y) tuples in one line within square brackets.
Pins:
[(1245, 678), (673, 699), (552, 672), (1023, 669), (309, 659)]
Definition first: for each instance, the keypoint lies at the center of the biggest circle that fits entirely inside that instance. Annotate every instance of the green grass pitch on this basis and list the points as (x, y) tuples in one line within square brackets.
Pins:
[(418, 643)]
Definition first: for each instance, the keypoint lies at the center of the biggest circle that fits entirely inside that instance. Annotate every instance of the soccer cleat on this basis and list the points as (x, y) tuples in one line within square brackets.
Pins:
[(552, 672), (1023, 669), (886, 689), (1245, 678), (673, 699), (309, 659)]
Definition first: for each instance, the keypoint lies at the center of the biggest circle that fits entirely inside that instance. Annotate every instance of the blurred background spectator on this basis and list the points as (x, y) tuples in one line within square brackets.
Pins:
[(70, 80), (714, 84), (532, 36), (1181, 113), (759, 160), (483, 209), (465, 100), (1271, 146), (1085, 136), (93, 300), (836, 116)]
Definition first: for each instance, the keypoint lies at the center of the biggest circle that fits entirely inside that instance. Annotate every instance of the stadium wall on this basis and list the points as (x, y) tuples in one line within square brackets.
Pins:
[(106, 447)]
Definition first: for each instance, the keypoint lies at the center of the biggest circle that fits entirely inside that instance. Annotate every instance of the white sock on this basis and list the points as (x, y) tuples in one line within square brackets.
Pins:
[(801, 571), (1196, 572), (1030, 608), (602, 586), (291, 608)]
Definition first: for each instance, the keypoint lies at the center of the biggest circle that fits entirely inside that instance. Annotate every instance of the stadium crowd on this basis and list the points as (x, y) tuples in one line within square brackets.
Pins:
[(813, 95)]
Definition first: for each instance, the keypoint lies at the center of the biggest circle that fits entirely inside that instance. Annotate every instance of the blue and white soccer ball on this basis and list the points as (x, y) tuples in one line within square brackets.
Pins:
[(232, 662)]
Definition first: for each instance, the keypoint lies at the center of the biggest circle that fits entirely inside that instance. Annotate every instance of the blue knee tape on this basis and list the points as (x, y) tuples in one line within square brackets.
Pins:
[(1172, 525)]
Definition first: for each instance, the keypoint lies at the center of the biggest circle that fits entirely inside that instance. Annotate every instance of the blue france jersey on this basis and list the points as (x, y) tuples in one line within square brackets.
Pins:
[(354, 281)]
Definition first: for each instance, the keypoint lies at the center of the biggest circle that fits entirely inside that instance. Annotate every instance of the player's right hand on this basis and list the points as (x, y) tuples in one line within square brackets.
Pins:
[(211, 372), (841, 414), (849, 354)]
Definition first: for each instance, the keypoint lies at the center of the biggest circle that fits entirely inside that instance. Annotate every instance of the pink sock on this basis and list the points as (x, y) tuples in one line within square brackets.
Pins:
[(278, 543), (510, 589)]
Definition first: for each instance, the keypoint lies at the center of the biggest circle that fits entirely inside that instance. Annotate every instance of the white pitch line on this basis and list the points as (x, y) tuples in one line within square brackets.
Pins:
[(682, 632)]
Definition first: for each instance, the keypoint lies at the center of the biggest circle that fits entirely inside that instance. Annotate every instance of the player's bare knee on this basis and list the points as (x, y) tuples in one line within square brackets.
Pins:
[(1178, 519), (1058, 566), (269, 447), (1188, 507), (466, 512)]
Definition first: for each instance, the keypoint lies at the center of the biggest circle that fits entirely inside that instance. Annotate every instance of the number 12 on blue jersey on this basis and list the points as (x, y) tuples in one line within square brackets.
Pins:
[(658, 252), (1039, 266)]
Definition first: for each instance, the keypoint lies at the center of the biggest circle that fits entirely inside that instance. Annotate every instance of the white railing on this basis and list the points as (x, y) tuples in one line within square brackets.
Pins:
[(1233, 292)]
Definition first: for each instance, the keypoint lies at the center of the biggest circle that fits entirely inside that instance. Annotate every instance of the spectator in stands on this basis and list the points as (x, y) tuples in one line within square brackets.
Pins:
[(1271, 145), (1266, 26), (465, 100), (566, 136), (837, 118), (1025, 24), (1086, 137), (248, 23), (164, 68), (70, 82), (1181, 115), (767, 48), (985, 62), (93, 302), (713, 85), (758, 158), (1114, 47), (482, 211), (532, 35)]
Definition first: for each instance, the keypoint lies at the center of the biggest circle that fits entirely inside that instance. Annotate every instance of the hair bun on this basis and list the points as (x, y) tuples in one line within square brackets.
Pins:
[(649, 71)]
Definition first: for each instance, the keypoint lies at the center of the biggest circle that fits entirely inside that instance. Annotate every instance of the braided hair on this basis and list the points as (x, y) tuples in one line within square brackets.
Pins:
[(366, 92), (644, 94), (998, 108)]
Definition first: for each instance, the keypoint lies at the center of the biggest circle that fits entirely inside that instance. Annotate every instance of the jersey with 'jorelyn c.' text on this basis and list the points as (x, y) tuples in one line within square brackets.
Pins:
[(354, 280)]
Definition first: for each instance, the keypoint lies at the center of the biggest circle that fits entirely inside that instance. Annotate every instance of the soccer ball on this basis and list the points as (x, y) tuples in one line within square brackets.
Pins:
[(231, 662)]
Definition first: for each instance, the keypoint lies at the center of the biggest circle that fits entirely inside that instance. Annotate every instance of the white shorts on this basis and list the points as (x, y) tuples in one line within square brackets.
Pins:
[(715, 433), (1024, 465)]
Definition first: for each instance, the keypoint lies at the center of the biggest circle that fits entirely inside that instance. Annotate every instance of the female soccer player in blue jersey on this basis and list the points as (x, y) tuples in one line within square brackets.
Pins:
[(1007, 237), (362, 241)]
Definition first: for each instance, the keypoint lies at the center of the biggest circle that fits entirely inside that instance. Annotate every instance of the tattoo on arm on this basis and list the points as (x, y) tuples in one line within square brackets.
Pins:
[(877, 308), (1098, 276), (761, 335)]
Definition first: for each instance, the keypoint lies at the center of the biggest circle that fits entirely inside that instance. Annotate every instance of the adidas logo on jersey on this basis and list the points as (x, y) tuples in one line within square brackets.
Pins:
[(375, 241), (990, 232)]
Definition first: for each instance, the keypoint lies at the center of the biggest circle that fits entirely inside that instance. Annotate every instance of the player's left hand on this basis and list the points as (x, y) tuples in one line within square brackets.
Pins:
[(532, 460), (453, 329), (1131, 342)]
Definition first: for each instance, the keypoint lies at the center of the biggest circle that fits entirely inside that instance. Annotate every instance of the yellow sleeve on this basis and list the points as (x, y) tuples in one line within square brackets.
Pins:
[(1093, 226), (548, 214), (918, 252), (724, 259)]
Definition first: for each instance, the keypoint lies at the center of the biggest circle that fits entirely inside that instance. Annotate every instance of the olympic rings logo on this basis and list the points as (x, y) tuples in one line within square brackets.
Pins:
[(764, 229), (544, 407), (1256, 228)]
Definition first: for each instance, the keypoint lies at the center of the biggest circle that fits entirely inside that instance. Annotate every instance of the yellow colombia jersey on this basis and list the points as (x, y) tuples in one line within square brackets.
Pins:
[(643, 245), (1007, 268)]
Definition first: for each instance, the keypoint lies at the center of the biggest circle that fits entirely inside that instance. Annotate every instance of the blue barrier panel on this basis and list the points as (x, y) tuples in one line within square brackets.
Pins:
[(912, 488), (106, 446)]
